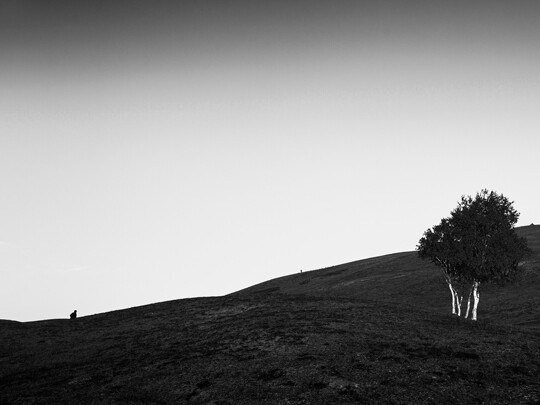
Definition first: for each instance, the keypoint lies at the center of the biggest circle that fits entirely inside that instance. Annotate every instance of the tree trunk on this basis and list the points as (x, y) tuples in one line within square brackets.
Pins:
[(459, 300), (468, 303), (456, 300), (476, 299), (453, 298)]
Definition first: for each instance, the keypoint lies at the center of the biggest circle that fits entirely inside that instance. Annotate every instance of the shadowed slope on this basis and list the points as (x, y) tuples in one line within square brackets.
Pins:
[(361, 332), (268, 349), (385, 277), (405, 279)]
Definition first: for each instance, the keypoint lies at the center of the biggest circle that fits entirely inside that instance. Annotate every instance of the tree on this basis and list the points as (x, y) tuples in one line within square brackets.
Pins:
[(438, 245), (476, 244)]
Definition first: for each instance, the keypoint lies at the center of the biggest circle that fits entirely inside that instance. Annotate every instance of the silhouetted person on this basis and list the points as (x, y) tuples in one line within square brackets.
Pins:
[(73, 315)]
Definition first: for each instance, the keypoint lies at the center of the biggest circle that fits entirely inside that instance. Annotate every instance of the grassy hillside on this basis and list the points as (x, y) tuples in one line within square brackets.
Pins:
[(406, 280), (369, 332)]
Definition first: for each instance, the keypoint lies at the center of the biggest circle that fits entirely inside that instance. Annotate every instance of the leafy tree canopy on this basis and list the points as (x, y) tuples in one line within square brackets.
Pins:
[(477, 242)]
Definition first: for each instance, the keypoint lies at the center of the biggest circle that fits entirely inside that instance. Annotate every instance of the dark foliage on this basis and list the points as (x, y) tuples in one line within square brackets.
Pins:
[(478, 241)]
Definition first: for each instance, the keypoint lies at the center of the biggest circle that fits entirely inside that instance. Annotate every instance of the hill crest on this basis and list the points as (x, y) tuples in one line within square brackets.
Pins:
[(376, 331)]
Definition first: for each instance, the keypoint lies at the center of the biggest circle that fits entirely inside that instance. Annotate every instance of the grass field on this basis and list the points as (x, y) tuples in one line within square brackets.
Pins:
[(376, 331)]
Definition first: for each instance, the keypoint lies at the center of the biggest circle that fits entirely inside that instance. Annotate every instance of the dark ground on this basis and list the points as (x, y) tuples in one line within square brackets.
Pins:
[(377, 331)]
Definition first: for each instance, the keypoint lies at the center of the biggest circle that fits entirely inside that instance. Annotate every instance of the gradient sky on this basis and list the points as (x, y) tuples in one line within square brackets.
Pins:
[(157, 150)]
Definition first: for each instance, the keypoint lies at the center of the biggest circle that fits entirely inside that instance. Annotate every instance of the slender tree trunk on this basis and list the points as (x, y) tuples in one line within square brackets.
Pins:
[(476, 299), (468, 303), (459, 299), (453, 298), (456, 300)]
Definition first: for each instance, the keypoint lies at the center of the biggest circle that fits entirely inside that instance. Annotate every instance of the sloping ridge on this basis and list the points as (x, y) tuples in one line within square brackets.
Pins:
[(375, 331), (369, 277), (405, 279)]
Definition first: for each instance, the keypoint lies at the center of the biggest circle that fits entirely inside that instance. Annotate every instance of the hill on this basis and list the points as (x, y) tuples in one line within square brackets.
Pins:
[(406, 280), (376, 331)]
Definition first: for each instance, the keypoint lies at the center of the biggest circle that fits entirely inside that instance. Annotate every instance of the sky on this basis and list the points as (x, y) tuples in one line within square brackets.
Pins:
[(157, 150)]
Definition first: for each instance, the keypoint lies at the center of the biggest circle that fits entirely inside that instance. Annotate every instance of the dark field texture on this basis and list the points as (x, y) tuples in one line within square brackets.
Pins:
[(377, 331)]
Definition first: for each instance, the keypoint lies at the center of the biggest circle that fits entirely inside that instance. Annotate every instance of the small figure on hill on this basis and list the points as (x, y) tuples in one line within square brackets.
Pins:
[(73, 315)]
